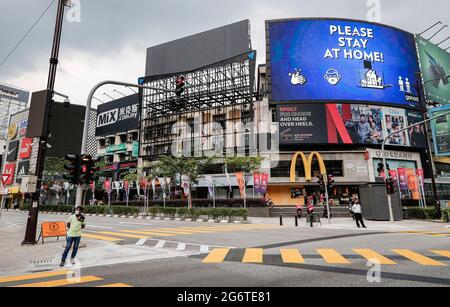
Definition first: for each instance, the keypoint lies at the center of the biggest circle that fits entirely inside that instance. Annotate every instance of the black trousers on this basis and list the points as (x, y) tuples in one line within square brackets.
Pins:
[(359, 219)]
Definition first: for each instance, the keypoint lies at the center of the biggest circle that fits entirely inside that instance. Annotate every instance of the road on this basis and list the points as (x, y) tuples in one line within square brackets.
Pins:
[(138, 253)]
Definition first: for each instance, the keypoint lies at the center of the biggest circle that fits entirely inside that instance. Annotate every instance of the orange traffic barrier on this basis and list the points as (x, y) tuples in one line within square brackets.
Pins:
[(53, 230)]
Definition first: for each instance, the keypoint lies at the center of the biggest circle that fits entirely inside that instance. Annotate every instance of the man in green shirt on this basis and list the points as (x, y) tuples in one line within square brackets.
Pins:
[(75, 223)]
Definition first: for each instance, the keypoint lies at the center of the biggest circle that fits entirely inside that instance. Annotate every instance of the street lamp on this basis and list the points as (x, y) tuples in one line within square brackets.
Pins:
[(88, 114)]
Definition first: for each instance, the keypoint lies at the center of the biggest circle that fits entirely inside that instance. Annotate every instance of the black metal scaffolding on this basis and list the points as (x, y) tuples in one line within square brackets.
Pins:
[(221, 94)]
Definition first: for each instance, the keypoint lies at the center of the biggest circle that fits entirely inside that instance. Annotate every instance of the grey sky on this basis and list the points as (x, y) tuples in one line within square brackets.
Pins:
[(110, 40)]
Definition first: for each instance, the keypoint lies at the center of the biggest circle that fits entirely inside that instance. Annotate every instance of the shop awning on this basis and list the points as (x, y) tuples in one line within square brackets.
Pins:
[(443, 160)]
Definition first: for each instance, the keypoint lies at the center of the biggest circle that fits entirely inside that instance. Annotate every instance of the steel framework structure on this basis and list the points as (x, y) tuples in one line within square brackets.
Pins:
[(222, 94)]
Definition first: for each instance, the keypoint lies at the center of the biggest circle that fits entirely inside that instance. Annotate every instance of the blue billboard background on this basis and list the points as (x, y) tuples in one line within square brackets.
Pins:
[(340, 60)]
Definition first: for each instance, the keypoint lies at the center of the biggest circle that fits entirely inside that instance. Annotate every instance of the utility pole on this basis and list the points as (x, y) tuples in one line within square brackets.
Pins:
[(30, 234)]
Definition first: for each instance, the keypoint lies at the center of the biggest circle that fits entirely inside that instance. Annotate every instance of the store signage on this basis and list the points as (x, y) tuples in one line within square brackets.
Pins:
[(9, 170), (441, 131), (120, 115), (12, 131), (135, 149), (115, 148), (13, 149), (23, 169), (13, 93), (307, 165), (341, 60), (395, 155), (26, 148)]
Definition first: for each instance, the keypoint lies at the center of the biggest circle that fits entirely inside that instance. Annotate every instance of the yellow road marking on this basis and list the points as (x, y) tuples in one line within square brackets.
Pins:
[(118, 234), (216, 256), (441, 253), (179, 230), (332, 256), (61, 282), (253, 255), (102, 238), (33, 276), (115, 286), (418, 258), (372, 255), (292, 256)]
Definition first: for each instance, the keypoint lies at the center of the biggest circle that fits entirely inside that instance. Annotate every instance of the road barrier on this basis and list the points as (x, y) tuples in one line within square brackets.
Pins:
[(53, 230)]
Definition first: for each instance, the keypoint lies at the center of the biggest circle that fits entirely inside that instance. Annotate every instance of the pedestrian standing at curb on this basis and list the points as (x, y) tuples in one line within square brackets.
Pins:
[(357, 211), (75, 224)]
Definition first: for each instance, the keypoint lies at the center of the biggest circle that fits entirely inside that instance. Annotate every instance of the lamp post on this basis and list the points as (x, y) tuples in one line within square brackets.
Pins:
[(33, 214), (88, 116)]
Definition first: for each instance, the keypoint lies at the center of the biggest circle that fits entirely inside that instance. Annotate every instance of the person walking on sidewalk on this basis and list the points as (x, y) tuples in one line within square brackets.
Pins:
[(75, 223), (357, 211)]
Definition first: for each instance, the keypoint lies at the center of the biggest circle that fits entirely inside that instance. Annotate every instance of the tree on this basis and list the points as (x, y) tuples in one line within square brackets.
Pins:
[(192, 167)]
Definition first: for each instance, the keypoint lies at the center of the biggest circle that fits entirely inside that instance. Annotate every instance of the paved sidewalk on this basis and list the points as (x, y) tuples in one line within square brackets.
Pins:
[(349, 224), (17, 259)]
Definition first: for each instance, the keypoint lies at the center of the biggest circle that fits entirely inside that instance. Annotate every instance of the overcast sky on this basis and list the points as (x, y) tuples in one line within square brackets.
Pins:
[(111, 38)]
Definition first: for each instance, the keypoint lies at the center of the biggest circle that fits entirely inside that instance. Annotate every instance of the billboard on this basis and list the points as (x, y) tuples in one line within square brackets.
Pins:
[(348, 124), (23, 169), (11, 93), (435, 66), (341, 60), (199, 50), (441, 131), (120, 115)]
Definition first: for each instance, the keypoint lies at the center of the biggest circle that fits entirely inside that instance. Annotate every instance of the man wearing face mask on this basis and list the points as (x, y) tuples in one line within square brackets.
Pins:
[(75, 224)]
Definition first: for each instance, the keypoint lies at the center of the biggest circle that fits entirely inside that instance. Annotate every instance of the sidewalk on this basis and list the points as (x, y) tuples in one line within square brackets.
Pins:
[(17, 259), (349, 224)]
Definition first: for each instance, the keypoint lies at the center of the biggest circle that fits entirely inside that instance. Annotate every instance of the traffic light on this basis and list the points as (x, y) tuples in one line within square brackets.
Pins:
[(73, 168), (330, 181), (321, 182), (90, 170), (180, 85), (391, 185)]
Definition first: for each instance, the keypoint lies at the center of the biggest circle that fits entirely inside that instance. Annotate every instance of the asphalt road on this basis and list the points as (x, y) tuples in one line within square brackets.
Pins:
[(186, 254)]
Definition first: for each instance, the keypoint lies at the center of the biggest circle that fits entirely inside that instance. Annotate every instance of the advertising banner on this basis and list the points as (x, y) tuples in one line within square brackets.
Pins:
[(414, 187), (402, 179), (241, 183), (341, 60), (13, 149), (210, 183), (25, 148), (118, 116), (441, 131), (257, 182), (264, 183), (23, 169), (435, 66), (9, 170), (347, 124)]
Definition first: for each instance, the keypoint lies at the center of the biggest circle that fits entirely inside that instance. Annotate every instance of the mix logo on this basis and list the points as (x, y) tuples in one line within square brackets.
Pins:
[(107, 118)]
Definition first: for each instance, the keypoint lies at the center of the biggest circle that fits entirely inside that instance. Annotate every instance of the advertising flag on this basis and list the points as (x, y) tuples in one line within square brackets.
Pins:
[(185, 184), (402, 179), (241, 183), (210, 183), (257, 182), (264, 183)]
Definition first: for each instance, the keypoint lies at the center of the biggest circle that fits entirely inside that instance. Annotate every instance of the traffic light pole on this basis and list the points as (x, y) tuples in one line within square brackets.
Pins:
[(391, 214), (33, 214), (87, 117)]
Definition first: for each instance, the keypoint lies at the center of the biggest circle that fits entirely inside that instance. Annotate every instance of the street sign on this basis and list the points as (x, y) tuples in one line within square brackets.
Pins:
[(5, 178), (117, 185), (4, 191)]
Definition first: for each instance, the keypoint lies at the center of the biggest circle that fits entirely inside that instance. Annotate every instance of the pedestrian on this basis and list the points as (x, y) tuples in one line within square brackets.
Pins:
[(310, 211), (357, 211), (75, 224)]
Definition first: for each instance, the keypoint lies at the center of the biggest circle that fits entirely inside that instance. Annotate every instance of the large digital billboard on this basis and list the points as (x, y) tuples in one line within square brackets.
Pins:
[(441, 131), (435, 66), (348, 124), (341, 60)]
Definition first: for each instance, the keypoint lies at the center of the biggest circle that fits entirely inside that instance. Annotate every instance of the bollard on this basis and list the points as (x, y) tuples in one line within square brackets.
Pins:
[(281, 220), (296, 221)]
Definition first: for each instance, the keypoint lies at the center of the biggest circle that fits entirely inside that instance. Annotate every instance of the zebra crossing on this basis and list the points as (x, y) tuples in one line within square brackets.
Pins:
[(167, 232), (58, 278), (441, 234), (432, 258)]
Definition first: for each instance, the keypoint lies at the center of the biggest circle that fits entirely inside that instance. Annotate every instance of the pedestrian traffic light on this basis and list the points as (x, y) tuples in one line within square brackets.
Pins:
[(321, 182), (180, 85), (73, 168), (330, 181)]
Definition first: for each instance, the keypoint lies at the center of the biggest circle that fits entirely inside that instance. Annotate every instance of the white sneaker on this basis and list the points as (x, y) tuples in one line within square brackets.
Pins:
[(72, 261)]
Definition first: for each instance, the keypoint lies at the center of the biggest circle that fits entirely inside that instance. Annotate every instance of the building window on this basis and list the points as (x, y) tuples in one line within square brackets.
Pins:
[(123, 138), (102, 143)]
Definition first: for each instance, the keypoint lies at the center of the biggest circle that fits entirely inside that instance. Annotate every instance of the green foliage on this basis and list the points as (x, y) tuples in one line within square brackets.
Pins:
[(247, 165), (211, 213), (131, 177), (170, 166), (422, 213), (120, 210)]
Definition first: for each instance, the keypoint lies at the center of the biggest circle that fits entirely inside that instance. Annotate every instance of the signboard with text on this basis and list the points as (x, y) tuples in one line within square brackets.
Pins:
[(341, 60)]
